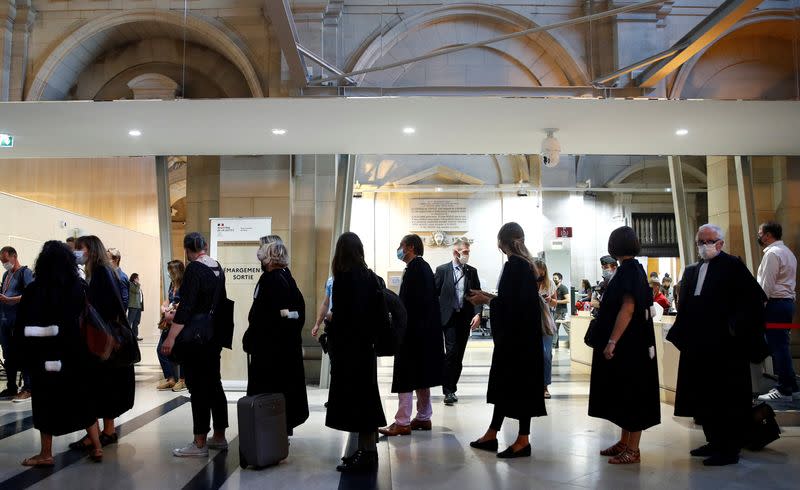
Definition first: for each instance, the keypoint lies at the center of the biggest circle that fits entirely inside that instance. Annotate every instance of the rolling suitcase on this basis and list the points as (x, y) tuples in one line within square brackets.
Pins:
[(263, 439)]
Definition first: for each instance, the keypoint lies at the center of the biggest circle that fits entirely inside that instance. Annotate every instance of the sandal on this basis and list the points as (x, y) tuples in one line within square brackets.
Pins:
[(96, 455), (83, 444), (37, 462), (614, 450), (629, 456), (106, 439)]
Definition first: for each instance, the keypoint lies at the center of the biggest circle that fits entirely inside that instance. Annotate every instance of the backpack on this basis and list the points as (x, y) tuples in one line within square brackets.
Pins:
[(391, 319)]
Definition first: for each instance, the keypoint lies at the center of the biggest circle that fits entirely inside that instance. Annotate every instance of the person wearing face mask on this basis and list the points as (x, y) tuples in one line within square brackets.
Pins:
[(15, 278), (719, 331), (419, 358), (777, 274), (562, 307), (609, 266), (458, 316)]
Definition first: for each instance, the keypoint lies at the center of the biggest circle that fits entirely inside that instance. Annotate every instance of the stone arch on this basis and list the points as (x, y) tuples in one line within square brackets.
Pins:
[(639, 167), (548, 58), (58, 71), (163, 56), (748, 62)]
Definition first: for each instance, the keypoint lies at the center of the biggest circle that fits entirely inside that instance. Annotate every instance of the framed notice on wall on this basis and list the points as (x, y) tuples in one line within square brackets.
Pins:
[(439, 215), (238, 230)]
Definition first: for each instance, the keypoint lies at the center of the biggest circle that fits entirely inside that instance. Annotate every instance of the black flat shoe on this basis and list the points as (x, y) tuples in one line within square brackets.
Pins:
[(702, 451), (106, 439), (510, 453), (490, 445), (360, 462), (83, 444)]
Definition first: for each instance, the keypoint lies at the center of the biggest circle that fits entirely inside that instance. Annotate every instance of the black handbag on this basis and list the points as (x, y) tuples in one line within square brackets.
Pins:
[(590, 338), (201, 328), (116, 331), (763, 428)]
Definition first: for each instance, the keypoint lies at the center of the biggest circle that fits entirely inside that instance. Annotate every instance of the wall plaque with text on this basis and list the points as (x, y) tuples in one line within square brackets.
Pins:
[(439, 215)]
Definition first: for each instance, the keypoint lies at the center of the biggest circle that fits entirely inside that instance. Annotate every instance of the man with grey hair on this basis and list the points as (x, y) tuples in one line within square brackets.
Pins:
[(719, 331), (459, 317)]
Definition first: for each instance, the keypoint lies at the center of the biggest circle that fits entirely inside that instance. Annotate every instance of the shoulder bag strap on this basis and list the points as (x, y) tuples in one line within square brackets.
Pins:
[(218, 289)]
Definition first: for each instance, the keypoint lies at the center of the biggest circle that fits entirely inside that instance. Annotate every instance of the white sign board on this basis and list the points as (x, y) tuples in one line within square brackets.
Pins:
[(242, 273), (237, 230), (439, 215)]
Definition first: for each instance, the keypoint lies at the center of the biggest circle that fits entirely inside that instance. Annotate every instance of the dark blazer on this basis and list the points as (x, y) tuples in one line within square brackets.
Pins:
[(718, 334), (445, 288), (419, 361)]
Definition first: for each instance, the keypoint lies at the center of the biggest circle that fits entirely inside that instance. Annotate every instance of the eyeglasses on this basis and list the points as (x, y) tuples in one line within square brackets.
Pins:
[(707, 242)]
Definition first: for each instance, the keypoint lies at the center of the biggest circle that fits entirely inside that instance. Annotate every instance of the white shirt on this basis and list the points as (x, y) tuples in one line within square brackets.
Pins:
[(701, 278), (778, 271), (459, 281)]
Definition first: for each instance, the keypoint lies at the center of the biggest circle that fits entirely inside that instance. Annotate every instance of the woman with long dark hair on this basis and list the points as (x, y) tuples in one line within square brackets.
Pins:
[(516, 378), (624, 386), (354, 402), (173, 377), (202, 363), (118, 383), (273, 337), (55, 353)]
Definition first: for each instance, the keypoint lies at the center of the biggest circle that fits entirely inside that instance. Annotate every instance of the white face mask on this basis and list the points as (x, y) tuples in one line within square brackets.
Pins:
[(708, 251), (608, 274), (261, 254), (463, 259), (80, 257), (8, 266)]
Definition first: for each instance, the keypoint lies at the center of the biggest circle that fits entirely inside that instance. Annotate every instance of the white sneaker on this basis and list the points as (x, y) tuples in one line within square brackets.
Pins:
[(774, 395), (221, 444), (191, 451)]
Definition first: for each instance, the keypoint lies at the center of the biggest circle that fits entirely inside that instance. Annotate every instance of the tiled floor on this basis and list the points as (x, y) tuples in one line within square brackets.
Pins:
[(565, 446)]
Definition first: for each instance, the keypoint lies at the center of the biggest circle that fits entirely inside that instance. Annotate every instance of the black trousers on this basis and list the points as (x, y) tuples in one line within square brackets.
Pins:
[(456, 335), (724, 431), (203, 378), (497, 422)]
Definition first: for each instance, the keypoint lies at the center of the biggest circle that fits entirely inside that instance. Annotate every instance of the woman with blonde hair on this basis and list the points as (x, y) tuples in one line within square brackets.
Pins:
[(516, 378), (173, 379), (547, 290)]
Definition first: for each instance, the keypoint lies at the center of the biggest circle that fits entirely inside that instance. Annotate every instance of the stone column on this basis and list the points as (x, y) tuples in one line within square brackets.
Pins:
[(723, 202), (202, 193), (26, 15), (8, 12)]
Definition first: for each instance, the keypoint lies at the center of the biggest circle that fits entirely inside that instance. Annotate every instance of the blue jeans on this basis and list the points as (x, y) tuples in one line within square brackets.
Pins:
[(169, 368), (547, 346), (781, 311), (6, 326)]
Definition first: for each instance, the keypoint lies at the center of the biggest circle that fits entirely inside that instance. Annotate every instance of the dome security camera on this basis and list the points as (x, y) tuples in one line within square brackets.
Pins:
[(551, 149)]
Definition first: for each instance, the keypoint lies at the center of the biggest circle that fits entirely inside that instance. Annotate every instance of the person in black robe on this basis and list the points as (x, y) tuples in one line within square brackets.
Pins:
[(118, 383), (624, 386), (354, 401), (719, 331), (419, 361), (273, 338), (516, 378), (54, 351)]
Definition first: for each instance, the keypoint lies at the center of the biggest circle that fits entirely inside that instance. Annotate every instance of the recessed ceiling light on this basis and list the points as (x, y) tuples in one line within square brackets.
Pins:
[(682, 132), (134, 132), (279, 131), (409, 130)]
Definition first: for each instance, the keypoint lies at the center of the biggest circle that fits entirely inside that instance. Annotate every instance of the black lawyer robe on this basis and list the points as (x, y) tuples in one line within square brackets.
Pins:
[(419, 361), (64, 400), (718, 334), (354, 401), (275, 344), (516, 378)]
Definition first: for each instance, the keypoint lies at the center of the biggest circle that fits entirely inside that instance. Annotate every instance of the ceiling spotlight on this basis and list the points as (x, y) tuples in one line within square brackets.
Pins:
[(278, 131), (409, 130), (682, 132), (134, 132)]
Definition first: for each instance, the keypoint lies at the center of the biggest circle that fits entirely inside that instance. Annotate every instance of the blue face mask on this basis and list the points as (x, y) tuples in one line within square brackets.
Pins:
[(400, 254)]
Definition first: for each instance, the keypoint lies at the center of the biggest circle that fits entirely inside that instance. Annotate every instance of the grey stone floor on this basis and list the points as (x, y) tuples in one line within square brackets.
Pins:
[(565, 447)]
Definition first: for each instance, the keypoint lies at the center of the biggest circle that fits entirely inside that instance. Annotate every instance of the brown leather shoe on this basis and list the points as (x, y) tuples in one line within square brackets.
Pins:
[(420, 425), (396, 430)]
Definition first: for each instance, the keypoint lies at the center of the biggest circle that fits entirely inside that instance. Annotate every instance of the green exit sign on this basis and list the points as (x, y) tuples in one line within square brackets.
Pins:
[(6, 141)]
